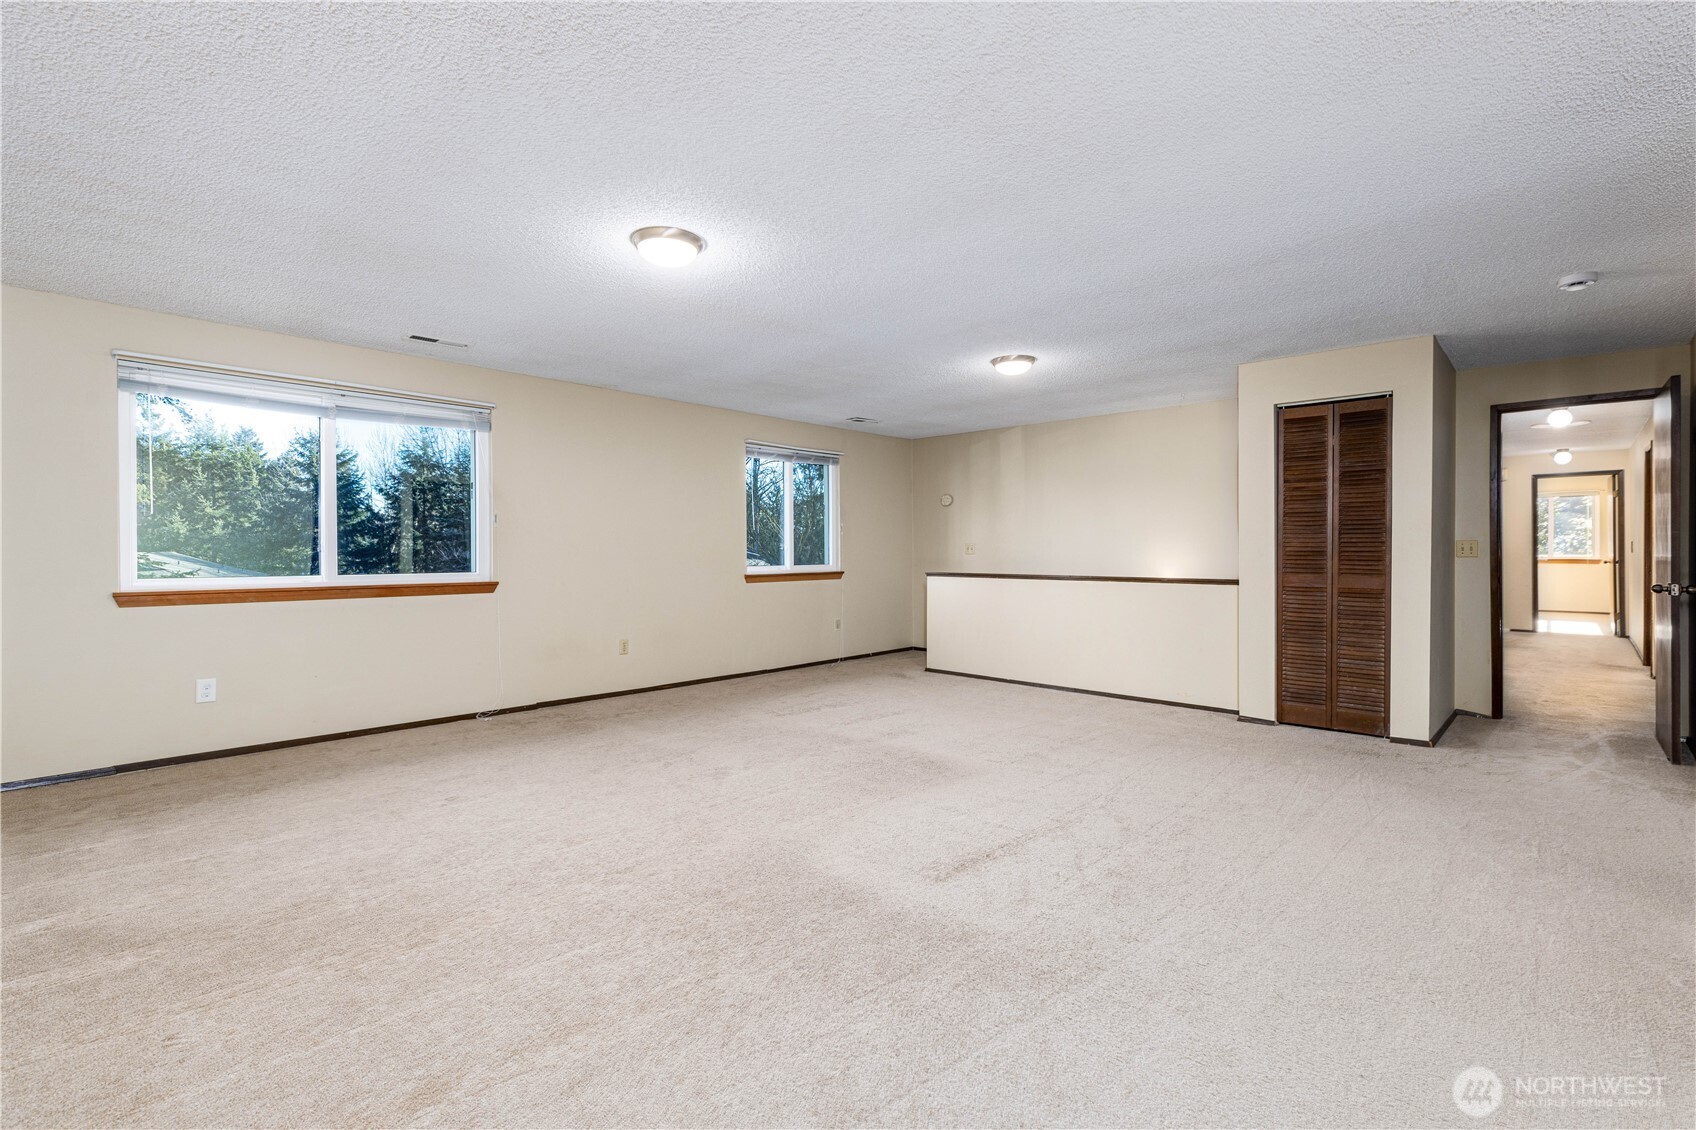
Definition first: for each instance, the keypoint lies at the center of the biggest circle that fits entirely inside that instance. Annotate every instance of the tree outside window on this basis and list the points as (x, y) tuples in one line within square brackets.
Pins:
[(1566, 525), (789, 508)]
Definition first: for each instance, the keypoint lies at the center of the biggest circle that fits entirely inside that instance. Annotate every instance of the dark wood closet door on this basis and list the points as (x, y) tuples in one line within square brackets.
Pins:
[(1361, 588), (1304, 564), (1334, 565)]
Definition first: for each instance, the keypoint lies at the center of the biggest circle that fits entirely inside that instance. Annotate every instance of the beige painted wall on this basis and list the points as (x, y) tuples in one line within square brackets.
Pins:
[(1414, 372), (1476, 391), (1564, 587), (658, 560), (1142, 494), (1570, 582), (1174, 643)]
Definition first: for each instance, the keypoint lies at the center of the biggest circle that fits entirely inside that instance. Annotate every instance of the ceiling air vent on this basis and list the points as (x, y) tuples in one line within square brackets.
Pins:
[(860, 420), (439, 341)]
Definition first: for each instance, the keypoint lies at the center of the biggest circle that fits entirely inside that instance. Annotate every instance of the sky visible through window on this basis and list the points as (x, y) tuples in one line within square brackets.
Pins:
[(275, 430)]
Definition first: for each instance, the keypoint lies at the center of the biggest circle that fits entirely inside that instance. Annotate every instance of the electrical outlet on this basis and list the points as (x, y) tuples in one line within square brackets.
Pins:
[(1466, 548), (624, 647), (206, 690), (971, 548)]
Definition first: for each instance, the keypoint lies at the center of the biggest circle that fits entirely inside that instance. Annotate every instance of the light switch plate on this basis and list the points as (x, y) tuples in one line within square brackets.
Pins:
[(1466, 548)]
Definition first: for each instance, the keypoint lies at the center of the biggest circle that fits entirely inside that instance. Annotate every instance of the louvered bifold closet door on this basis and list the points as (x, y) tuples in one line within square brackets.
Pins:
[(1304, 564), (1360, 607)]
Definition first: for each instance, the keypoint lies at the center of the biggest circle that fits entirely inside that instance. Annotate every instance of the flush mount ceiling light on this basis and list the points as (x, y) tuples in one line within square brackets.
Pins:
[(667, 246), (1560, 418), (1571, 424), (1013, 364), (1583, 280), (1563, 457)]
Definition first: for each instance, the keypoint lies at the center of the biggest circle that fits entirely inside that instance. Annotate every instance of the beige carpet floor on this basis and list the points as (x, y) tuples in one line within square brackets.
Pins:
[(866, 895)]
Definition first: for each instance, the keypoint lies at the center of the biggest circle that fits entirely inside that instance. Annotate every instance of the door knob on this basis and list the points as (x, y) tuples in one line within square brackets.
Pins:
[(1674, 589)]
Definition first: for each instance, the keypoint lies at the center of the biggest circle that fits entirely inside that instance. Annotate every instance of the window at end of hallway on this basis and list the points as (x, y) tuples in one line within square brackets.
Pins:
[(791, 511), (1566, 526)]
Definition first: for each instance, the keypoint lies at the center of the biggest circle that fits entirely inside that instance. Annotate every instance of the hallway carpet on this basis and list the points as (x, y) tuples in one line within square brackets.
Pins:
[(867, 895)]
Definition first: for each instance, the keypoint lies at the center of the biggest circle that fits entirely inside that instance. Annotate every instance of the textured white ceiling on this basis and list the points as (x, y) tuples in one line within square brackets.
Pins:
[(1612, 427), (1142, 195)]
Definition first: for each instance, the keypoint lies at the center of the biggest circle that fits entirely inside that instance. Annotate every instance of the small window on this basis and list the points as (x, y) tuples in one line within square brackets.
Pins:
[(1566, 526), (231, 480), (791, 509)]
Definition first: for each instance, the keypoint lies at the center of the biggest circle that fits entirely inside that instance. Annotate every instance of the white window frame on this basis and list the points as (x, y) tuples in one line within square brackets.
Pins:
[(1595, 499), (833, 501), (482, 504)]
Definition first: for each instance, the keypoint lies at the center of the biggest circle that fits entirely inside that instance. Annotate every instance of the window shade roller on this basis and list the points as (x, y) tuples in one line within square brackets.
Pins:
[(792, 454), (278, 394)]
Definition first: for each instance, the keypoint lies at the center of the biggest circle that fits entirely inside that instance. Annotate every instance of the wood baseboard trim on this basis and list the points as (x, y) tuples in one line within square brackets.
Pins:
[(1444, 728), (1081, 690), (1441, 730), (265, 747), (167, 599)]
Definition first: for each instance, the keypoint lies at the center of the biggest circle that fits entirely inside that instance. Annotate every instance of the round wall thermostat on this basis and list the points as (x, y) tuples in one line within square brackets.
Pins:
[(948, 500)]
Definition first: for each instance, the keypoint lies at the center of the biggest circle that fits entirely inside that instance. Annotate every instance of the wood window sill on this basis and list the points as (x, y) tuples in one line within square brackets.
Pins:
[(823, 575), (158, 598)]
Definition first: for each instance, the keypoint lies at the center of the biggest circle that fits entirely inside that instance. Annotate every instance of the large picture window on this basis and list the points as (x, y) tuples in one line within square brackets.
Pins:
[(791, 509), (234, 480), (1566, 526)]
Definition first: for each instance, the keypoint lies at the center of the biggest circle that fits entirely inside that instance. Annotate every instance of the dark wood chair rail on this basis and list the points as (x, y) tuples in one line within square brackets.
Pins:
[(1068, 577)]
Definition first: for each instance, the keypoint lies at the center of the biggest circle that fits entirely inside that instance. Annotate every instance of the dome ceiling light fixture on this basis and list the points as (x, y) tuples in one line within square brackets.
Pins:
[(1013, 364), (1560, 418), (1573, 424), (1563, 457), (667, 246), (1581, 280)]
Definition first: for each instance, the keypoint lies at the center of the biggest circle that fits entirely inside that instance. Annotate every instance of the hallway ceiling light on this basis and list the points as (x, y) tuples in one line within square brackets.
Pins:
[(1013, 364), (1574, 424), (666, 246), (1583, 280), (1563, 457), (1560, 418)]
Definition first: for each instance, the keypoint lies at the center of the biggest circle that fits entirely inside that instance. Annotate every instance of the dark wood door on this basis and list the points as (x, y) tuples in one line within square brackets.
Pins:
[(1647, 540), (1361, 588), (1668, 565), (1304, 564), (1334, 565)]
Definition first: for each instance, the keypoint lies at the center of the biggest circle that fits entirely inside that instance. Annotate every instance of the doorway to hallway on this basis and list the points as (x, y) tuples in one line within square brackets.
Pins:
[(1579, 543), (1586, 538)]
